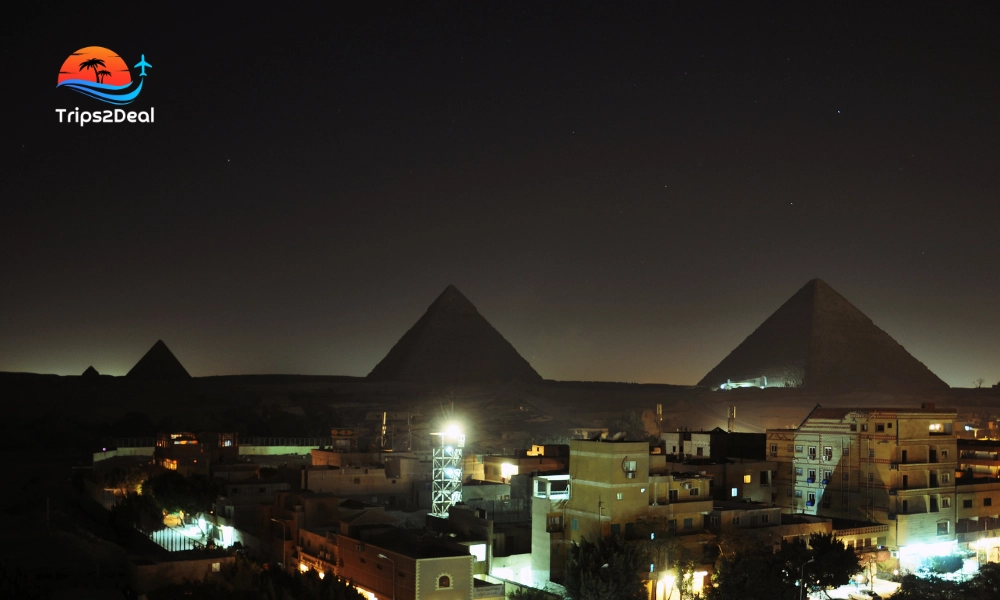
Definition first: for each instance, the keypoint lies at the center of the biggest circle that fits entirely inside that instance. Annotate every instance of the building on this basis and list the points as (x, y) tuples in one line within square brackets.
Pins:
[(893, 466), (189, 453), (395, 564), (979, 457), (717, 444)]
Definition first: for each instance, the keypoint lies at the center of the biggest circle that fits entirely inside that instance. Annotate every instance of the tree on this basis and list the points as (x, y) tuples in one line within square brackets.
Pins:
[(835, 563), (102, 74), (92, 63), (174, 492), (979, 382), (529, 593), (608, 569)]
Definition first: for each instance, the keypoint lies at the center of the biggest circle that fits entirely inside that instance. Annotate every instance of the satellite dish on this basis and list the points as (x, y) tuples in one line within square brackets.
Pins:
[(618, 436)]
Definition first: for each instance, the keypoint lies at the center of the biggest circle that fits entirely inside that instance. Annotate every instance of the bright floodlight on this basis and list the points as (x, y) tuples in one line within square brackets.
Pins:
[(453, 430)]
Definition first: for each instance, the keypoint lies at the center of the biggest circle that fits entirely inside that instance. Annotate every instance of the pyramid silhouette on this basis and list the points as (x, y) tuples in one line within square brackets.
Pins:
[(158, 364), (819, 340), (90, 372), (453, 343)]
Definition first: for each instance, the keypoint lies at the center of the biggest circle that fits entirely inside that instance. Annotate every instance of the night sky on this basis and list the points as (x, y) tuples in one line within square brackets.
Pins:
[(625, 193)]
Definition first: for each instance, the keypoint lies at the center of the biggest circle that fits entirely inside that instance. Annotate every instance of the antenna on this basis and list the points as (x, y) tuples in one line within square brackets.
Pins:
[(732, 419)]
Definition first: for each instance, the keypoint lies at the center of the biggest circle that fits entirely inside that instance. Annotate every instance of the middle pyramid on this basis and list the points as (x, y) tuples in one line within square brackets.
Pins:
[(453, 343)]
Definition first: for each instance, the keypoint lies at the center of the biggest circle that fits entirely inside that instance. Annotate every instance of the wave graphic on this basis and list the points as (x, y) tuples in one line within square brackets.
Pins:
[(103, 91)]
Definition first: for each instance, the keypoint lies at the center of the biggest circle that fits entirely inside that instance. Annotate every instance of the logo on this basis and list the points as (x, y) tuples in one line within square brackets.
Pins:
[(101, 74)]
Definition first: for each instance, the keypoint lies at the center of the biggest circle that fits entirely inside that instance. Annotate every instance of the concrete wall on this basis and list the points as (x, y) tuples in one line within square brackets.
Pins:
[(139, 451), (275, 450), (151, 576), (458, 570)]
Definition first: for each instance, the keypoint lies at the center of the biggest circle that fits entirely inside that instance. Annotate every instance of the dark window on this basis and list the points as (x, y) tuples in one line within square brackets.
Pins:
[(888, 425), (880, 427), (871, 454), (854, 427), (943, 528), (987, 501), (688, 523), (846, 451), (966, 503), (444, 581), (906, 506), (763, 519), (616, 529)]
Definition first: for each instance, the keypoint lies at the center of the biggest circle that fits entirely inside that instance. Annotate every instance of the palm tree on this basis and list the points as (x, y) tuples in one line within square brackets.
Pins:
[(93, 63), (102, 74)]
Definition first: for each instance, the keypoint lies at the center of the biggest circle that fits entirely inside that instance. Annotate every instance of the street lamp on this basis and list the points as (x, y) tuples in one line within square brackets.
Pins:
[(802, 580), (391, 574), (283, 527)]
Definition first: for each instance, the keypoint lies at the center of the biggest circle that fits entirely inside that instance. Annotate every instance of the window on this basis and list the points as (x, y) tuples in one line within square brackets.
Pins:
[(734, 492), (846, 451), (828, 452), (763, 519), (880, 427), (888, 425), (987, 501), (694, 491), (864, 427), (906, 506), (966, 503), (854, 427), (945, 477), (575, 525), (689, 523), (812, 498), (774, 448), (672, 525), (827, 475), (736, 520), (942, 528), (672, 495), (944, 454), (616, 529), (699, 451), (555, 523), (846, 476), (871, 477), (746, 479), (798, 448), (812, 474), (945, 502), (812, 452), (765, 477), (936, 428), (791, 448), (798, 493), (629, 466), (216, 567), (619, 496), (798, 470), (444, 582)]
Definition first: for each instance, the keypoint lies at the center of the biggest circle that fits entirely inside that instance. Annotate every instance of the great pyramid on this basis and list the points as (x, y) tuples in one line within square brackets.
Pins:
[(158, 364), (453, 343), (90, 372), (819, 340)]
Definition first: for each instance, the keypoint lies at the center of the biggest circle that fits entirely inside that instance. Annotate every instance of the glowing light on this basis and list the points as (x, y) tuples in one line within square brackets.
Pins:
[(227, 536), (453, 430), (479, 551), (322, 575), (921, 550), (303, 567), (508, 470)]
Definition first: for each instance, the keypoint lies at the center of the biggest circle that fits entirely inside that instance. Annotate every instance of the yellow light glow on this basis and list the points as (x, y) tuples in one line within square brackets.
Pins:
[(453, 430), (322, 575), (304, 568), (507, 470)]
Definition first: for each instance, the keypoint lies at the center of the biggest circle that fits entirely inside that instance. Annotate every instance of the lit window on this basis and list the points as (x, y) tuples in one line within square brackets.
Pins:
[(619, 495), (798, 493), (798, 448), (734, 493), (798, 470), (936, 427), (746, 479)]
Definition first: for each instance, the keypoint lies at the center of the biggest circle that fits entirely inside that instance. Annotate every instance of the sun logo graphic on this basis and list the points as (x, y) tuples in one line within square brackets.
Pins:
[(101, 74)]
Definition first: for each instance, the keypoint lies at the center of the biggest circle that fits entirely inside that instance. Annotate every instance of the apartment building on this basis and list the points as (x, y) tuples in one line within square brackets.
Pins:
[(893, 466)]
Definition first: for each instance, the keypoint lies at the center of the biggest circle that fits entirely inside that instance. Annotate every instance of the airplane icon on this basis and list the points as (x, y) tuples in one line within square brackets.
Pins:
[(143, 64)]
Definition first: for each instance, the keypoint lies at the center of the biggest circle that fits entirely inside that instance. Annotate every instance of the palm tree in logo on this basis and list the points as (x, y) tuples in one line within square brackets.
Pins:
[(101, 75), (93, 63)]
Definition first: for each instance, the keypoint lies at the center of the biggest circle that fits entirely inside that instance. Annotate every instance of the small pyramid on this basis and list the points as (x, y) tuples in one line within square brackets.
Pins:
[(453, 343), (819, 340), (90, 372), (158, 364)]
